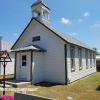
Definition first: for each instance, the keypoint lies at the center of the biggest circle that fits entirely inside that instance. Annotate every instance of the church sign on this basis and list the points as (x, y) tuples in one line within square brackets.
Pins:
[(37, 38)]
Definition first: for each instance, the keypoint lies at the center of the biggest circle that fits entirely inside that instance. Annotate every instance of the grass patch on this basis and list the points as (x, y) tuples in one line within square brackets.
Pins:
[(7, 77), (87, 88)]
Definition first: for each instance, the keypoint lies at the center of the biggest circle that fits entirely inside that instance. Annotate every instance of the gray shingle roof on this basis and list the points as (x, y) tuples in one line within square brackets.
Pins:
[(29, 47), (71, 39), (66, 37), (40, 2), (6, 46)]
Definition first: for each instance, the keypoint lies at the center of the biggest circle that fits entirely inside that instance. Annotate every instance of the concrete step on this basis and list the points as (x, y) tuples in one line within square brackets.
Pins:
[(6, 86), (17, 83)]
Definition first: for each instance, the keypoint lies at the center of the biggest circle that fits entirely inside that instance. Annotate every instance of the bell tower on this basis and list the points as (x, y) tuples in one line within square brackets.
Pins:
[(42, 11)]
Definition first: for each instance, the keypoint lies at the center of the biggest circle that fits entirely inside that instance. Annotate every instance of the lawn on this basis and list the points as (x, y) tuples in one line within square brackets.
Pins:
[(87, 88)]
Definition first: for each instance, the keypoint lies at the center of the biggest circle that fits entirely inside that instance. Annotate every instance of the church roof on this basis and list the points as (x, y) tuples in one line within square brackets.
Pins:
[(65, 37), (40, 2), (29, 48)]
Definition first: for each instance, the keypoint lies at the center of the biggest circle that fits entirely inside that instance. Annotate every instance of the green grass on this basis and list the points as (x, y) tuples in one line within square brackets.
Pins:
[(9, 77), (87, 88)]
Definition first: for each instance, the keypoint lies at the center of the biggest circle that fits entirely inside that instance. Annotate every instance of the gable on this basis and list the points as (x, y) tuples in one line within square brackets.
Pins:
[(36, 29)]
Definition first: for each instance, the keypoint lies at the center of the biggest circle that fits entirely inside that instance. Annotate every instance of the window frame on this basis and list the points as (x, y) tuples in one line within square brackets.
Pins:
[(90, 59), (72, 58), (86, 57), (80, 58), (94, 58), (24, 61)]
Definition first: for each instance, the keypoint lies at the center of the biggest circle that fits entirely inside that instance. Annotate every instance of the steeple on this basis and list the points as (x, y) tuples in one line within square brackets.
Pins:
[(41, 8)]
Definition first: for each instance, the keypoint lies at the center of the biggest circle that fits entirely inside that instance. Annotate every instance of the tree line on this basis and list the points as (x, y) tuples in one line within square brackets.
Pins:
[(97, 53)]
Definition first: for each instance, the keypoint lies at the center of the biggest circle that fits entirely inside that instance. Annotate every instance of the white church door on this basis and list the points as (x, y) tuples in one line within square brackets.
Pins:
[(23, 66)]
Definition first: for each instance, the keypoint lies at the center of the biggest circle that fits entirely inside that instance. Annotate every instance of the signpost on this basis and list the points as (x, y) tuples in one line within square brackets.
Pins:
[(4, 58)]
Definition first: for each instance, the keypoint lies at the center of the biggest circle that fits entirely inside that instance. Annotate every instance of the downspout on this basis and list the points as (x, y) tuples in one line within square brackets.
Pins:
[(66, 72), (15, 65)]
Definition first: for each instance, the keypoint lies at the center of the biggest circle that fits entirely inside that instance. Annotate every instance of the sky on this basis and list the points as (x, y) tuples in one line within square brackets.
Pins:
[(78, 18)]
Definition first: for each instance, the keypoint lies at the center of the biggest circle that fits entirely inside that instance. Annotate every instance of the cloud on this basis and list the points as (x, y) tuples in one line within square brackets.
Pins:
[(65, 21), (79, 20), (86, 14), (74, 34), (96, 25), (15, 34)]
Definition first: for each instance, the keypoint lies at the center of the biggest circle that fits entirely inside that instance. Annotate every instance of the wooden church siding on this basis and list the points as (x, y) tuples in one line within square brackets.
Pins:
[(54, 58), (77, 74), (38, 67), (18, 66), (54, 61), (28, 66)]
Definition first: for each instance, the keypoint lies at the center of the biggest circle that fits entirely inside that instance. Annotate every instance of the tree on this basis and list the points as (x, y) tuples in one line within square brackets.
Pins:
[(97, 53)]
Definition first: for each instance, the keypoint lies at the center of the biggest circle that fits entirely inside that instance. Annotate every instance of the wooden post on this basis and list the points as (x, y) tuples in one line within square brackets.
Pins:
[(4, 79)]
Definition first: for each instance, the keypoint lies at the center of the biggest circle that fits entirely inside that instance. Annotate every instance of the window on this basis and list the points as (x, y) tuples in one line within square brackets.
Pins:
[(80, 58), (23, 60), (90, 59), (94, 58), (86, 56), (72, 55)]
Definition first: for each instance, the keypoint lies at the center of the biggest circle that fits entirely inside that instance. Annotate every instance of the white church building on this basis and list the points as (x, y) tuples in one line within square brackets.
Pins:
[(43, 53)]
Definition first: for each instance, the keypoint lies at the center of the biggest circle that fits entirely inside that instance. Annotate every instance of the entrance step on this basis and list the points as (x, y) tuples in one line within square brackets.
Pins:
[(17, 83), (6, 86)]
